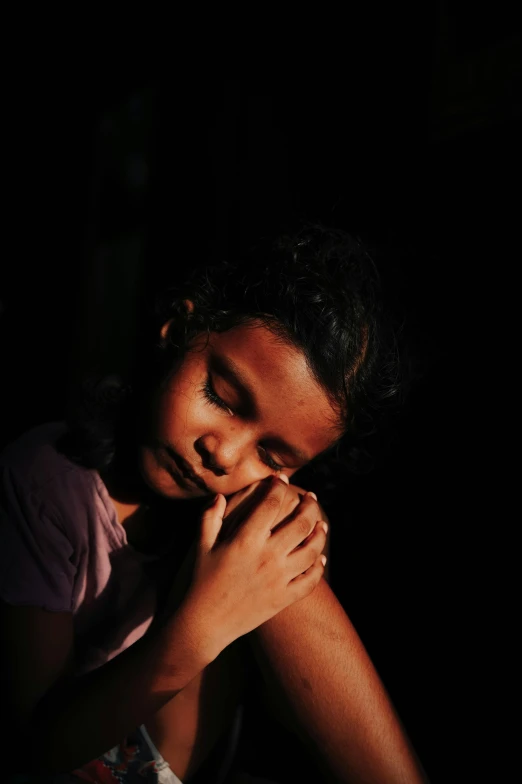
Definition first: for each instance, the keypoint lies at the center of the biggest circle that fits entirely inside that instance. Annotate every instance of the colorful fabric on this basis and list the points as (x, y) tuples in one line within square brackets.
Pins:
[(135, 760)]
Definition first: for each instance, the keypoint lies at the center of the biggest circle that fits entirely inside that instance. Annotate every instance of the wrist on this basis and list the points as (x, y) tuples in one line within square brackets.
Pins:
[(195, 632)]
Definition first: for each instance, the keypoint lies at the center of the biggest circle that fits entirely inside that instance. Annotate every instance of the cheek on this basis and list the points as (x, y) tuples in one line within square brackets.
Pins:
[(156, 477), (183, 410)]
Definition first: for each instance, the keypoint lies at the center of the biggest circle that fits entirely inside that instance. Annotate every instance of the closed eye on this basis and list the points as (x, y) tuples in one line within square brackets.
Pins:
[(269, 460), (213, 398)]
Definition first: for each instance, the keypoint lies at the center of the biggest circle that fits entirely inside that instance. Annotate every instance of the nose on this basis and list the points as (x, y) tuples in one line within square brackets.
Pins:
[(218, 455)]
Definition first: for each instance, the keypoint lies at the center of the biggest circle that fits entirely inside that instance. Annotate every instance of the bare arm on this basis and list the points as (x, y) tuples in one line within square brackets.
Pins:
[(234, 587), (316, 666), (78, 719)]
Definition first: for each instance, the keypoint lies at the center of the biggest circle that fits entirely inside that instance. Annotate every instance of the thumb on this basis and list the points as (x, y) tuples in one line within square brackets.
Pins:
[(211, 522)]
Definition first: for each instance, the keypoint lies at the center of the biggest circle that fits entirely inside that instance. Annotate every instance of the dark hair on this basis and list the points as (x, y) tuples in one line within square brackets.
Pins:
[(317, 288)]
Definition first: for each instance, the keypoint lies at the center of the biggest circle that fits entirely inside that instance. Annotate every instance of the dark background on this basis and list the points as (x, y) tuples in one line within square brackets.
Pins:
[(123, 168)]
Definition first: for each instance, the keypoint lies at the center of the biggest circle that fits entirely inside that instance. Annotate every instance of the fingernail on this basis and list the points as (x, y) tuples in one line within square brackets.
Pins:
[(325, 527), (284, 478), (323, 559), (313, 495)]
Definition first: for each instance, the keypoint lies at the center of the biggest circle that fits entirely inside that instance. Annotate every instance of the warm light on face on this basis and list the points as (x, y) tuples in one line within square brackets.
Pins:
[(241, 406)]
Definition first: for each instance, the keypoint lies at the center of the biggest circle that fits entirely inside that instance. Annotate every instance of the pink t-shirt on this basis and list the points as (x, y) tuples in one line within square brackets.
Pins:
[(63, 549)]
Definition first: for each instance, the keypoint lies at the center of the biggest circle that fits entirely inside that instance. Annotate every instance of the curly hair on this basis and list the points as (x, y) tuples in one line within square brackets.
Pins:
[(317, 289)]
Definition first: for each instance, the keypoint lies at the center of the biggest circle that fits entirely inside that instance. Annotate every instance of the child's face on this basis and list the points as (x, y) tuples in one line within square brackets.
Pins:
[(236, 410)]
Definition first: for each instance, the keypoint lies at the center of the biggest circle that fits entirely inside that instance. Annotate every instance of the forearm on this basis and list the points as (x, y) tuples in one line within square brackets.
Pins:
[(85, 717), (316, 665)]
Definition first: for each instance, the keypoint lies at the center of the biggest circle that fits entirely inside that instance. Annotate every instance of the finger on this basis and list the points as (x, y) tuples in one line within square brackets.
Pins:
[(266, 507), (211, 523), (319, 524), (303, 557), (298, 525), (239, 495), (239, 507), (245, 499), (304, 583)]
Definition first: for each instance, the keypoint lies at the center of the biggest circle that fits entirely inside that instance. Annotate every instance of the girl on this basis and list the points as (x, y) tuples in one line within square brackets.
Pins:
[(155, 555)]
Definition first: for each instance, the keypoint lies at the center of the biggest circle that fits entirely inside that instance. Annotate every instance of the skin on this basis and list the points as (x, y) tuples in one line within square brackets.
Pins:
[(275, 410), (232, 447), (255, 603), (308, 649), (228, 448)]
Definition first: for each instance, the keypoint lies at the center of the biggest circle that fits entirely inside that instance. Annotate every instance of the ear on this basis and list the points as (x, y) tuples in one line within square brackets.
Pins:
[(189, 306), (165, 329)]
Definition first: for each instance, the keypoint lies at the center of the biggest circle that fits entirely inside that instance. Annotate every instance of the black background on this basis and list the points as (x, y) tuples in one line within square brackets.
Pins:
[(123, 168)]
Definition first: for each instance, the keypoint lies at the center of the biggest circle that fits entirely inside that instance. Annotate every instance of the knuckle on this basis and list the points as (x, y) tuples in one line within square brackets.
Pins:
[(272, 502), (262, 564), (303, 526), (294, 493)]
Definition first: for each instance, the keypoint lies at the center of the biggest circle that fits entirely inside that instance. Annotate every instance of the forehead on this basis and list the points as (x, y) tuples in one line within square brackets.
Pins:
[(289, 400)]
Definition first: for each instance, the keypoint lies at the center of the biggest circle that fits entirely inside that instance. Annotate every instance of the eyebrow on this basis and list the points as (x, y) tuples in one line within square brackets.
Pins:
[(228, 369)]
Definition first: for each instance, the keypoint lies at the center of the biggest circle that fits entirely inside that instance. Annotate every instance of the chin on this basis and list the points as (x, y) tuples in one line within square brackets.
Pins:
[(162, 480)]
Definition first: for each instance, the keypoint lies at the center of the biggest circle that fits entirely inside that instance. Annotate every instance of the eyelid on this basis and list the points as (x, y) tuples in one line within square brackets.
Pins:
[(216, 400), (276, 466)]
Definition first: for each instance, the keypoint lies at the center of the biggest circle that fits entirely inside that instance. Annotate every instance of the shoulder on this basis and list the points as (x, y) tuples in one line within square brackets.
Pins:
[(34, 456), (35, 475), (53, 519)]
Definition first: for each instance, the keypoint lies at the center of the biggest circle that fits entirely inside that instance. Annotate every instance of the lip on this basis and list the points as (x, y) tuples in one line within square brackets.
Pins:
[(186, 471)]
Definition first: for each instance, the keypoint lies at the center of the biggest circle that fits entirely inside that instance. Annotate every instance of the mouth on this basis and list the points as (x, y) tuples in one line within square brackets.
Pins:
[(191, 479)]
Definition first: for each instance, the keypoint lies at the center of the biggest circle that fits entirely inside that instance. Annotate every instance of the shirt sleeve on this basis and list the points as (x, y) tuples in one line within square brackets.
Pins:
[(35, 553)]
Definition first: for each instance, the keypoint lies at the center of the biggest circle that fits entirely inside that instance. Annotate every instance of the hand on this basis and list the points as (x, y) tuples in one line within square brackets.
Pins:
[(265, 557)]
